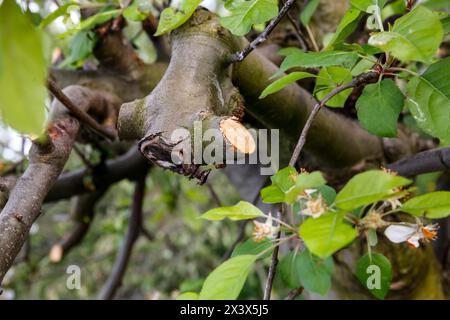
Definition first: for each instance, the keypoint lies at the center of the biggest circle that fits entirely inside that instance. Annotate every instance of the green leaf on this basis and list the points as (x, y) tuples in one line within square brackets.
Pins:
[(191, 285), (22, 71), (298, 58), (287, 184), (328, 79), (434, 205), (103, 16), (284, 81), (429, 100), (379, 106), (227, 280), (282, 182), (172, 18), (272, 194), (315, 274), (61, 11), (289, 270), (134, 13), (304, 181), (309, 180), (327, 234), (362, 66), (245, 13), (328, 194), (415, 36), (437, 4), (368, 187), (254, 248), (364, 4), (188, 296), (240, 211), (375, 274), (285, 178), (347, 25), (308, 11), (81, 46), (446, 25)]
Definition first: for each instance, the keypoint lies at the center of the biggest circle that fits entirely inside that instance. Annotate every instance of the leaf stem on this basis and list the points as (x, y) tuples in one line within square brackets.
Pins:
[(404, 70)]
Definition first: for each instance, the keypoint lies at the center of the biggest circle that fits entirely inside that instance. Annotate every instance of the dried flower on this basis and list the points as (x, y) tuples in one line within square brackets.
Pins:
[(264, 230), (314, 206), (373, 220)]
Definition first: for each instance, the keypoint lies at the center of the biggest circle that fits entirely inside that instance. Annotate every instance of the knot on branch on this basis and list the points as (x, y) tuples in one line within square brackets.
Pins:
[(195, 104)]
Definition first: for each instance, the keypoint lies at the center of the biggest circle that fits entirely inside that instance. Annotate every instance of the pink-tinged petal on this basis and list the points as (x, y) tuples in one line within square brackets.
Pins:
[(413, 241)]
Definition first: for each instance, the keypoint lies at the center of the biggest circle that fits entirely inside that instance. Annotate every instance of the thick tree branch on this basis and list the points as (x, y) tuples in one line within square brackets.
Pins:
[(115, 53), (46, 163), (127, 166), (134, 229), (423, 162), (288, 111)]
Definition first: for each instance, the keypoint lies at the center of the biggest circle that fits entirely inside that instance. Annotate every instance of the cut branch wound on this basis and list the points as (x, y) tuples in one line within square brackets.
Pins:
[(195, 94)]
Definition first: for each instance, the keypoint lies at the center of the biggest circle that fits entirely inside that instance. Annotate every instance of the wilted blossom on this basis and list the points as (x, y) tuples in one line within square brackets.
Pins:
[(313, 205), (262, 230), (413, 234)]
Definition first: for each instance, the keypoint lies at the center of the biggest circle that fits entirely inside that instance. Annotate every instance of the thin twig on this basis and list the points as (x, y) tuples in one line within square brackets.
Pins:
[(298, 32), (146, 233), (214, 194), (134, 229), (273, 264), (239, 238), (241, 232), (78, 113), (311, 37), (239, 56), (83, 158), (82, 212), (357, 81)]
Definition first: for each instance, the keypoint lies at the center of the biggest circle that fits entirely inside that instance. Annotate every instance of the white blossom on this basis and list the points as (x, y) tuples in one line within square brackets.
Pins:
[(411, 233)]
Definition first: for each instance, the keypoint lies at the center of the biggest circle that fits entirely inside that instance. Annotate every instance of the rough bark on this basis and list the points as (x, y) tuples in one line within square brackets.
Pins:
[(46, 163), (202, 90)]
